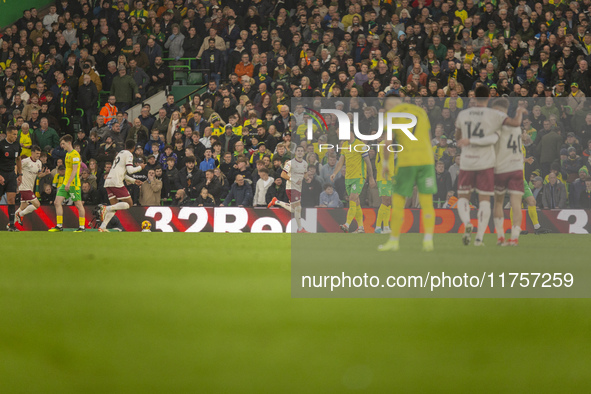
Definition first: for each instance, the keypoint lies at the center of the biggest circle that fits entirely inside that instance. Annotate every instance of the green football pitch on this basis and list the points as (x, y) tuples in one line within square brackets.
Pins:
[(213, 313)]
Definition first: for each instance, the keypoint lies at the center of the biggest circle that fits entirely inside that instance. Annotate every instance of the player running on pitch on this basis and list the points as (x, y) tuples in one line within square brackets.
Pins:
[(10, 157), (355, 158), (384, 191), (32, 169), (477, 131), (118, 194), (415, 166), (508, 177), (71, 187), (293, 173)]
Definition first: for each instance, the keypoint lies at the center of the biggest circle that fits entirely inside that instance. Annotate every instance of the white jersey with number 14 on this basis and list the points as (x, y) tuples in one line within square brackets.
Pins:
[(482, 126)]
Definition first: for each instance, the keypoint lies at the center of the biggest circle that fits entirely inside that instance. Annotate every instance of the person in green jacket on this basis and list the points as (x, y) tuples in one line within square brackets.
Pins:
[(124, 89), (45, 135), (439, 49)]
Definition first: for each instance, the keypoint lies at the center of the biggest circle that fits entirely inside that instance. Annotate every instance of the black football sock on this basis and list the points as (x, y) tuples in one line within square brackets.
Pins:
[(11, 210)]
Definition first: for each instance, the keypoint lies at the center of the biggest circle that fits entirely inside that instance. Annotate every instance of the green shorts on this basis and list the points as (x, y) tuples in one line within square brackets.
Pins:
[(526, 190), (406, 178), (385, 188), (73, 194), (354, 185)]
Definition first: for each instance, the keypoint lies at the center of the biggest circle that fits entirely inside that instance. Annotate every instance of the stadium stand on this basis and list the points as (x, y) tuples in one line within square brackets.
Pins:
[(82, 64)]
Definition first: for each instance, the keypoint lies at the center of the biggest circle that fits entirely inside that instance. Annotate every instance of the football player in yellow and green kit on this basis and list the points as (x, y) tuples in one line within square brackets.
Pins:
[(355, 158), (415, 165), (528, 197), (71, 186), (384, 190)]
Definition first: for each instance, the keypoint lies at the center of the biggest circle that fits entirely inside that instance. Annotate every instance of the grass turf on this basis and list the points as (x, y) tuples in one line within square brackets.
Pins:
[(137, 313)]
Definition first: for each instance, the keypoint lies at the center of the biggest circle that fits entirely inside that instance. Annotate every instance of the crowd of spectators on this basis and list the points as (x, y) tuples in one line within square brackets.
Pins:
[(261, 59)]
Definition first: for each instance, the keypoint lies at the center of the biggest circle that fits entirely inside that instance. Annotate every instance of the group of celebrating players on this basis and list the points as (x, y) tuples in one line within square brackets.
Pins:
[(491, 164)]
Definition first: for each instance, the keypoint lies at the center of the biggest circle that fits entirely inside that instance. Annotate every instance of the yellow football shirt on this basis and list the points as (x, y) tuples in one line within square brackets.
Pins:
[(320, 153), (25, 140), (73, 158), (302, 130), (463, 15), (237, 130), (247, 123), (438, 151), (216, 131), (419, 152), (354, 154), (58, 180)]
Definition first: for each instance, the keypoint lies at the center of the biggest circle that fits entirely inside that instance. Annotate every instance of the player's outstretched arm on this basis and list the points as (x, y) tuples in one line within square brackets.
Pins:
[(286, 170), (484, 141), (132, 170), (42, 174), (516, 121), (130, 179)]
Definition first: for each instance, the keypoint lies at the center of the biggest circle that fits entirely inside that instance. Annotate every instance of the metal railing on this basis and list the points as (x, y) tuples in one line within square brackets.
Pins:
[(187, 96), (182, 74)]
